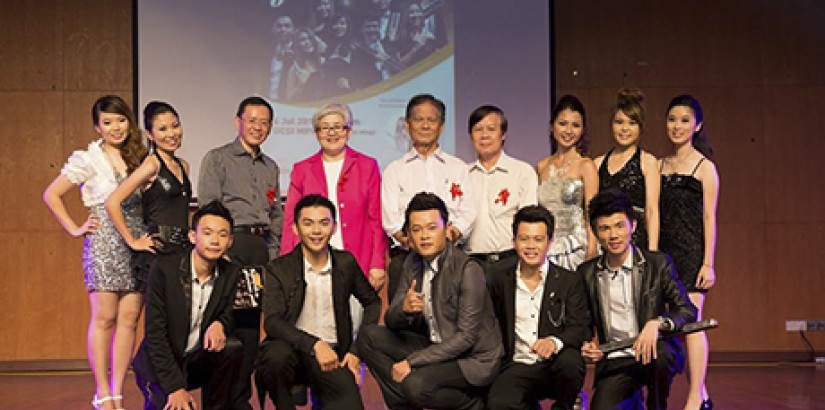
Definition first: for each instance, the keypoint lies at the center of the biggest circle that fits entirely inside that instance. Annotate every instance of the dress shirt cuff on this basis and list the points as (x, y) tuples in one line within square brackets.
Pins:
[(558, 342)]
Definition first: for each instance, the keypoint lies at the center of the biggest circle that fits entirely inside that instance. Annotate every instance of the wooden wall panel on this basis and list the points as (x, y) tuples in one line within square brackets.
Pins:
[(32, 45), (98, 45), (43, 297), (757, 69), (58, 57), (32, 123), (741, 289), (793, 281), (794, 148)]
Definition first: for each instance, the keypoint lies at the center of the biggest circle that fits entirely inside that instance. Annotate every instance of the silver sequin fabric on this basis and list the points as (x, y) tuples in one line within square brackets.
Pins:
[(564, 198), (109, 265)]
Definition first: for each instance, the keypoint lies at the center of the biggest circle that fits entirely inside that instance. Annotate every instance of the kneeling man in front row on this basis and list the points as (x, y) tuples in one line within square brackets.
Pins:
[(188, 315), (633, 293), (544, 319), (441, 346), (307, 315)]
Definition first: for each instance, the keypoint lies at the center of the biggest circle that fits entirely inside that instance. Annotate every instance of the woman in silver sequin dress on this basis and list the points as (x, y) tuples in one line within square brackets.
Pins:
[(113, 279), (567, 181)]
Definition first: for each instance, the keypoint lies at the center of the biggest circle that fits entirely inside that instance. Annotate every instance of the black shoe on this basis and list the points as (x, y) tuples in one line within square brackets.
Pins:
[(707, 404)]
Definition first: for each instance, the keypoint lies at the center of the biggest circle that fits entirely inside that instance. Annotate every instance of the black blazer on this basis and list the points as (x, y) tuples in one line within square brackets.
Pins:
[(168, 307), (564, 299), (284, 291), (658, 292)]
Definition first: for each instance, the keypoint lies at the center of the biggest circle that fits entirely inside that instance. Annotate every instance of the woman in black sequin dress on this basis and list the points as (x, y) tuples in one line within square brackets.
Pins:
[(164, 182), (632, 170), (690, 187)]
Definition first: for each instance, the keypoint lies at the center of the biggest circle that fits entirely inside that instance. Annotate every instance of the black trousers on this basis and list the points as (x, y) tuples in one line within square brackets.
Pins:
[(213, 371), (436, 386), (619, 382), (280, 367), (521, 386), (247, 249)]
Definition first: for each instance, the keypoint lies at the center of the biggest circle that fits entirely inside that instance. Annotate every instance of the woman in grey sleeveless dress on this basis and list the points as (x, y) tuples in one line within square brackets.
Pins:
[(567, 181)]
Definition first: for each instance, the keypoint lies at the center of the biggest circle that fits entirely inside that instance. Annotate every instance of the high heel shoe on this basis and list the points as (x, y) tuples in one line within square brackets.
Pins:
[(97, 402), (707, 404), (118, 397)]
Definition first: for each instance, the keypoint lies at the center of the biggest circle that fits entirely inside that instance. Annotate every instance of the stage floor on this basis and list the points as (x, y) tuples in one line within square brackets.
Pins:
[(734, 386)]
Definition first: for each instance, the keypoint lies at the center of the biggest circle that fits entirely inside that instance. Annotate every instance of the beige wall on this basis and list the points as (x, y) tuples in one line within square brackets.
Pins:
[(755, 65)]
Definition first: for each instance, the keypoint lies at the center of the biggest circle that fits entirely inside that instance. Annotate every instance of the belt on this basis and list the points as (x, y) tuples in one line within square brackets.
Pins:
[(493, 257), (257, 230)]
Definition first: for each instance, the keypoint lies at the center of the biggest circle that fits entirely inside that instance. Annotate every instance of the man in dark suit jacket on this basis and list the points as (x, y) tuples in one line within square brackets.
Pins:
[(544, 320), (441, 345), (632, 292), (188, 315), (307, 318)]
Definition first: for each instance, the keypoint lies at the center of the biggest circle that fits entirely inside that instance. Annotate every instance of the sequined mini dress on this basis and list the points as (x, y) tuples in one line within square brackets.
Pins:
[(631, 181), (682, 225), (109, 265), (564, 197)]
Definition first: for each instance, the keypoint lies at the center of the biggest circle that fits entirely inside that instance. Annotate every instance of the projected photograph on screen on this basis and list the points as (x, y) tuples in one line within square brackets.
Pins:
[(373, 55), (205, 56)]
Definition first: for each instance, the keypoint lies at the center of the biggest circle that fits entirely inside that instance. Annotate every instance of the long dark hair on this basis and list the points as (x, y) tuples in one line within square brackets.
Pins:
[(132, 150), (572, 103), (700, 138)]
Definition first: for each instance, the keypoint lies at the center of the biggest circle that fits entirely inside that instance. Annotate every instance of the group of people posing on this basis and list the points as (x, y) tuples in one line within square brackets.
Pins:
[(497, 273)]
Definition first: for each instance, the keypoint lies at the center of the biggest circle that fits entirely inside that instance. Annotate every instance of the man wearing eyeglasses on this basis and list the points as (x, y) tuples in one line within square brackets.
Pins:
[(544, 319), (245, 180), (424, 168)]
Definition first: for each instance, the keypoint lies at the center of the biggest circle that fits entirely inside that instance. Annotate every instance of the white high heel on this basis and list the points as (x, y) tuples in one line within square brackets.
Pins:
[(97, 402)]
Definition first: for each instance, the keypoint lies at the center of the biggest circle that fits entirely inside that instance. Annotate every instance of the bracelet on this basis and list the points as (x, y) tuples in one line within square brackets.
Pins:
[(707, 265)]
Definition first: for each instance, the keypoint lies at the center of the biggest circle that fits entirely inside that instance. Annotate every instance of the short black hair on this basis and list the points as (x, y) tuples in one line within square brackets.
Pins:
[(534, 213), (609, 202), (313, 200), (426, 99), (254, 100), (479, 113), (425, 201), (215, 208)]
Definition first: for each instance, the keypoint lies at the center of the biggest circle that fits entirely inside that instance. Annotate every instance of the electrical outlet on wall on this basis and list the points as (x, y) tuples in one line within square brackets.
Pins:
[(795, 326)]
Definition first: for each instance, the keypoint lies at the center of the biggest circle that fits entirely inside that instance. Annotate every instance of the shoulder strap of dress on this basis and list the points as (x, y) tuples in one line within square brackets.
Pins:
[(603, 165), (697, 166)]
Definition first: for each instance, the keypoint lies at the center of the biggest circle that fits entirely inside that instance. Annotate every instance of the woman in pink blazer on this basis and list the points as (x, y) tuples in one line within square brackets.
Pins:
[(352, 181)]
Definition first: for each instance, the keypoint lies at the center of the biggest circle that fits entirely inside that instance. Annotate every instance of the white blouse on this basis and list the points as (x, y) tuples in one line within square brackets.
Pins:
[(93, 171)]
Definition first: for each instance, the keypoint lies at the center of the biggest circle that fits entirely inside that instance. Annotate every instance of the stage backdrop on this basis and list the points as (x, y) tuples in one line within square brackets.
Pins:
[(204, 57)]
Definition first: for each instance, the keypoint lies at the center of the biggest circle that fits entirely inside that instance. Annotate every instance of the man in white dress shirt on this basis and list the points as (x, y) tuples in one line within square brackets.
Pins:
[(425, 168), (501, 185)]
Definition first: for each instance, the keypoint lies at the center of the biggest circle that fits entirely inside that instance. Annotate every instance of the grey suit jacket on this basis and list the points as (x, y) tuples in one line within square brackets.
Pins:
[(464, 313)]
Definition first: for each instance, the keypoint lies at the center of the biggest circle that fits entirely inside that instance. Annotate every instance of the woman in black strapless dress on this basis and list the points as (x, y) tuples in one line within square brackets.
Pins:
[(690, 187), (632, 170)]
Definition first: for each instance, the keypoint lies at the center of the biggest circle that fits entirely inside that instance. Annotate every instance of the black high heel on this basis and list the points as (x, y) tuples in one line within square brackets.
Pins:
[(707, 404)]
